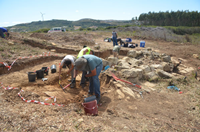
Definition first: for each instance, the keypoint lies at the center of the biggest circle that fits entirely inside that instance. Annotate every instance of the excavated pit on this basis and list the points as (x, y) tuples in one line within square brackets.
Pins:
[(41, 90)]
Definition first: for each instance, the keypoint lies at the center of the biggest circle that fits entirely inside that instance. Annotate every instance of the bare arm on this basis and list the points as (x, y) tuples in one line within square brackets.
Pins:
[(85, 51), (72, 67), (93, 73), (60, 68)]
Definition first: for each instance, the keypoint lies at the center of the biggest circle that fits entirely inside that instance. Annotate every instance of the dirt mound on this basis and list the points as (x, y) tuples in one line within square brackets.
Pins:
[(79, 40), (41, 36), (12, 95)]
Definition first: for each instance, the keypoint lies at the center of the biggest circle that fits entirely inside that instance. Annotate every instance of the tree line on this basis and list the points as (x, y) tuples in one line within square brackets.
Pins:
[(179, 18)]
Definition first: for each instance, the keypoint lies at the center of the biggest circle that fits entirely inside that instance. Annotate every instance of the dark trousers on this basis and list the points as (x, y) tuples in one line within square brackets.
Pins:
[(1, 34)]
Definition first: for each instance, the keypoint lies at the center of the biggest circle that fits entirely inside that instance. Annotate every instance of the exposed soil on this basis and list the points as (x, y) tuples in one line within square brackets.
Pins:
[(161, 110)]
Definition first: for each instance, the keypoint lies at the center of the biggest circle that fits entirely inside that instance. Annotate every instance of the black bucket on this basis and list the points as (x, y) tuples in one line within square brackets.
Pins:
[(91, 98), (40, 74), (46, 70), (53, 68), (31, 76)]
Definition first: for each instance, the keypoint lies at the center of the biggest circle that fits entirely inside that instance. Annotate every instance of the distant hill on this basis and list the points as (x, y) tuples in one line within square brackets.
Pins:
[(69, 25)]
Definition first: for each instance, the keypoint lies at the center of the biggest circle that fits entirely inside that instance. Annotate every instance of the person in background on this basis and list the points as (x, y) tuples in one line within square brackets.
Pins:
[(116, 51), (85, 51), (114, 38), (94, 65), (69, 61), (2, 31)]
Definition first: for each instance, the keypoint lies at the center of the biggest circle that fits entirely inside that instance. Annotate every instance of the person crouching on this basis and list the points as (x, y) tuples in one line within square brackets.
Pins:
[(116, 50)]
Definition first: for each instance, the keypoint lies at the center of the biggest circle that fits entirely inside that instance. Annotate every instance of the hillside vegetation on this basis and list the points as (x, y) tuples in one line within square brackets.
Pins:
[(69, 25)]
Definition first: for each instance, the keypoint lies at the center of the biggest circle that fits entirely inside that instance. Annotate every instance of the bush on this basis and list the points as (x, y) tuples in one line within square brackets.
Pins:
[(187, 37), (44, 30), (184, 30)]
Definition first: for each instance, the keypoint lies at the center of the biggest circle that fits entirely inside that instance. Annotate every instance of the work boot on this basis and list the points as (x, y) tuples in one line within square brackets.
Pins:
[(73, 84), (82, 85)]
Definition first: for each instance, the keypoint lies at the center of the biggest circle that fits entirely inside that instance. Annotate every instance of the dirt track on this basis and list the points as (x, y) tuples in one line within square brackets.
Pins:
[(161, 110)]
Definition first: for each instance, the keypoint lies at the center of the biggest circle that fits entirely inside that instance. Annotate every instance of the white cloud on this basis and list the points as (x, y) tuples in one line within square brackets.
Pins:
[(16, 22), (6, 22), (126, 13), (77, 10)]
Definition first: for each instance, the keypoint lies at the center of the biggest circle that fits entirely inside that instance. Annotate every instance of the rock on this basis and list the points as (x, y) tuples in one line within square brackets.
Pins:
[(53, 44), (123, 63), (156, 66), (151, 76), (166, 67), (53, 50), (132, 53), (138, 62), (149, 49), (117, 85), (97, 47), (126, 59), (132, 61), (10, 43), (128, 91), (139, 73), (138, 53), (145, 68), (164, 74), (156, 54), (129, 73), (105, 62), (119, 68), (120, 94), (195, 56), (112, 61), (166, 58), (80, 120), (147, 53)]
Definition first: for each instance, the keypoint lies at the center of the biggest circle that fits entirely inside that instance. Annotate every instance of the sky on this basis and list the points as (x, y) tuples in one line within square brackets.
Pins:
[(25, 11)]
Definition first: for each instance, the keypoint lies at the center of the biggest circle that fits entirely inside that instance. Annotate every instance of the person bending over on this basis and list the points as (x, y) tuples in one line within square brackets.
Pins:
[(93, 65), (69, 61), (85, 51), (2, 31), (116, 50)]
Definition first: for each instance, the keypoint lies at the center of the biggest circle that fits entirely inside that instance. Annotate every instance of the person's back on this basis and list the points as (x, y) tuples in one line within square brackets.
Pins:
[(2, 31), (116, 50), (81, 53), (114, 34)]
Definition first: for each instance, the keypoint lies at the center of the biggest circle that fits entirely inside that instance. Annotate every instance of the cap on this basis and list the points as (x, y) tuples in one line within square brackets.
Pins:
[(80, 64)]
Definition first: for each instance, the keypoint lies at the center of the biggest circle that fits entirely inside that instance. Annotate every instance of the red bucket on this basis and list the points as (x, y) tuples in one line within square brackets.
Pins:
[(91, 107)]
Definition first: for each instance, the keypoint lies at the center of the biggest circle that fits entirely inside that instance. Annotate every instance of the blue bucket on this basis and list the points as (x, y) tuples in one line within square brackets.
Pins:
[(142, 43)]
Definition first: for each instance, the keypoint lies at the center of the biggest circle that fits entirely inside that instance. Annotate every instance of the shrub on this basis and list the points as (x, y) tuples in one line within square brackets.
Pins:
[(44, 30), (187, 37)]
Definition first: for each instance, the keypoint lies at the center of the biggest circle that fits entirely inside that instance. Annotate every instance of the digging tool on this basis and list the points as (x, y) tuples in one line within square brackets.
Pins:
[(61, 86), (140, 92), (67, 86), (124, 80)]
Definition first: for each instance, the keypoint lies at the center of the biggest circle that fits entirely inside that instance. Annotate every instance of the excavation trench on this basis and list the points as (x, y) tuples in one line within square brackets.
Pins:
[(24, 63), (41, 90)]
